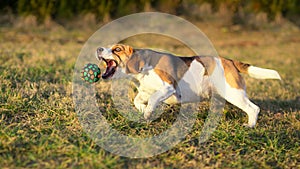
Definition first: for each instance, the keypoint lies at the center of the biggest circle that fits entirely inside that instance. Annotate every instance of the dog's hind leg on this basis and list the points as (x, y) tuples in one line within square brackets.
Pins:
[(235, 89), (238, 97)]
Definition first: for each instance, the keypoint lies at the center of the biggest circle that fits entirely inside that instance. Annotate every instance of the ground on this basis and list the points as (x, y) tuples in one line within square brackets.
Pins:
[(39, 127)]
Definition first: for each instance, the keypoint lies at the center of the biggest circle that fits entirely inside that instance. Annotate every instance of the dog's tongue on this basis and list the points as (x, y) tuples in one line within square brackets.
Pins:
[(110, 69)]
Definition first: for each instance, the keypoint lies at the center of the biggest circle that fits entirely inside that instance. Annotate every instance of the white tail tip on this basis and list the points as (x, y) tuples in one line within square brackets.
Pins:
[(261, 73)]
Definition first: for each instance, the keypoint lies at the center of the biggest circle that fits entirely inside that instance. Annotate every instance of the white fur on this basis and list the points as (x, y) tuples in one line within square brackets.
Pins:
[(160, 95), (217, 78), (238, 97), (152, 89), (192, 85), (261, 73), (106, 53)]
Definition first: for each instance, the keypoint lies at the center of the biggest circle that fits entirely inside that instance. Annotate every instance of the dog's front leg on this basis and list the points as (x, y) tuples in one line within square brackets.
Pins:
[(165, 92)]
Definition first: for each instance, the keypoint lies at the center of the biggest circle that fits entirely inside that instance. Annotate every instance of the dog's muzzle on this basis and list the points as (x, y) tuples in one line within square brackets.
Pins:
[(99, 55), (111, 64)]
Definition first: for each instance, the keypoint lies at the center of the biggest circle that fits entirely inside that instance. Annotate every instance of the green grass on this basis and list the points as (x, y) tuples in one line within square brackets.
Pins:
[(39, 127)]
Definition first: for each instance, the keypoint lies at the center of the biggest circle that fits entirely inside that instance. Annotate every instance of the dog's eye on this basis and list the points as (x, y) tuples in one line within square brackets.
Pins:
[(118, 49)]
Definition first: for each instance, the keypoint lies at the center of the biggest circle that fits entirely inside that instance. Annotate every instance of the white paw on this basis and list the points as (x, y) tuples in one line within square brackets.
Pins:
[(252, 119), (148, 111), (249, 125), (140, 107)]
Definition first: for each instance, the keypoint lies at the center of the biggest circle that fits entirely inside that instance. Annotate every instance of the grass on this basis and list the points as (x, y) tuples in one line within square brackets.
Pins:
[(39, 127)]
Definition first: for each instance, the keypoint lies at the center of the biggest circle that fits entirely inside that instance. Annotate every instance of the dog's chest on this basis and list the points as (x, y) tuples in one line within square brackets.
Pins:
[(149, 82)]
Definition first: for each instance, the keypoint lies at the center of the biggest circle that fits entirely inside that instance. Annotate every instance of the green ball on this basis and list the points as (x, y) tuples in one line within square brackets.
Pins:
[(91, 73)]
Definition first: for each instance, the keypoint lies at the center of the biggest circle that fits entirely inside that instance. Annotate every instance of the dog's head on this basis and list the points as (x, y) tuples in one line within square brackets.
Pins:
[(114, 57)]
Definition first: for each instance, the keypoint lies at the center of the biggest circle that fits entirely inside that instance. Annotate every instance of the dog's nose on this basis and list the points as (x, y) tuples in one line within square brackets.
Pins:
[(100, 50)]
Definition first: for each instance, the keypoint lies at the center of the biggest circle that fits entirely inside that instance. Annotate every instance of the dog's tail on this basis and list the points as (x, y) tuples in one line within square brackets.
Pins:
[(256, 72)]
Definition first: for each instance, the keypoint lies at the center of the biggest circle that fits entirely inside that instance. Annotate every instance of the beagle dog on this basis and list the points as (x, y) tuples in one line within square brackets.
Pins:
[(164, 77)]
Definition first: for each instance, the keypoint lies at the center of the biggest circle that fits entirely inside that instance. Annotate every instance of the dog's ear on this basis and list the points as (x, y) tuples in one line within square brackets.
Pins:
[(128, 50), (134, 65)]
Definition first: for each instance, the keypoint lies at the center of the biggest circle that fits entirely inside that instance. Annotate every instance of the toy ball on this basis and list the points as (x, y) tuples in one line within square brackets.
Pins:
[(91, 73)]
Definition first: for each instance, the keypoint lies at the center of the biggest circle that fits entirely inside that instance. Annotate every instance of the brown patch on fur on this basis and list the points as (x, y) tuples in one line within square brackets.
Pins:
[(208, 62), (232, 76), (123, 52), (165, 70), (172, 68), (165, 76), (242, 67), (134, 65)]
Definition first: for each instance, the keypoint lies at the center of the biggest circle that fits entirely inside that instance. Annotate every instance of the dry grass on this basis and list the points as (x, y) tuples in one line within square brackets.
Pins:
[(39, 127)]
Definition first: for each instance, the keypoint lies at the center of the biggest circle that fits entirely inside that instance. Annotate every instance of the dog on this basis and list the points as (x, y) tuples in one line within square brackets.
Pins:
[(164, 77)]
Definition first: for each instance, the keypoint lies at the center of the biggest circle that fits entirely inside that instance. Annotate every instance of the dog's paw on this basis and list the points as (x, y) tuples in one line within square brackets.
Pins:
[(249, 125), (147, 115), (141, 107), (148, 112)]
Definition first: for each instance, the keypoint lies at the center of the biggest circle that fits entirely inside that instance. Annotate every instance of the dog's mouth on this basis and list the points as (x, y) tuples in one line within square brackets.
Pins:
[(111, 66)]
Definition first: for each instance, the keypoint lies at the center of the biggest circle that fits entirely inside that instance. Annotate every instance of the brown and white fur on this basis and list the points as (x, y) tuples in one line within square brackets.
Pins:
[(163, 77)]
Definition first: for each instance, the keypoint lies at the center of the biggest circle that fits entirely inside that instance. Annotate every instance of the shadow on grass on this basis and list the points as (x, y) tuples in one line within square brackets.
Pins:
[(279, 106)]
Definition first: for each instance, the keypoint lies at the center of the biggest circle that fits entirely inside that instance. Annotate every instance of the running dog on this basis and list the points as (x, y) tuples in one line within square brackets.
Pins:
[(164, 77)]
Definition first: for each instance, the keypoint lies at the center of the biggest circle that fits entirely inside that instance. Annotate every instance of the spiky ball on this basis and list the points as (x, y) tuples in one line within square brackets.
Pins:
[(91, 73)]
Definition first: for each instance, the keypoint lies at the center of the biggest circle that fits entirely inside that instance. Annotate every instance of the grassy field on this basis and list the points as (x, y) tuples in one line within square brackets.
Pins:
[(39, 127)]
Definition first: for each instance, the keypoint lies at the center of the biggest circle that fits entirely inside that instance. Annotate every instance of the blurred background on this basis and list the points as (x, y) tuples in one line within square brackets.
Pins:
[(40, 41), (252, 14)]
